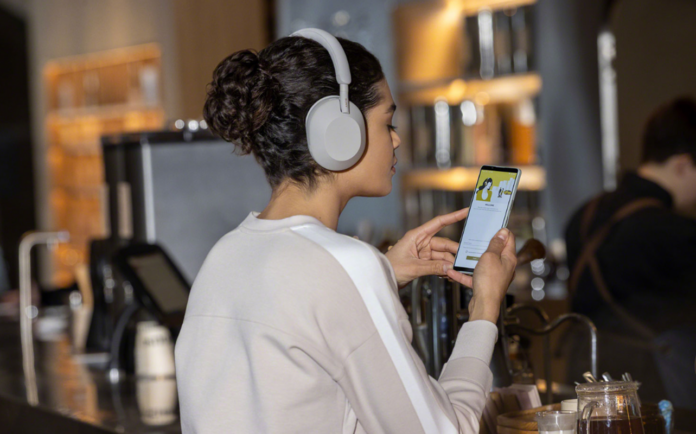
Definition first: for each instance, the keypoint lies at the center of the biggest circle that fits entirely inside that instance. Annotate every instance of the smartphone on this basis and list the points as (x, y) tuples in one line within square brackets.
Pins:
[(489, 212)]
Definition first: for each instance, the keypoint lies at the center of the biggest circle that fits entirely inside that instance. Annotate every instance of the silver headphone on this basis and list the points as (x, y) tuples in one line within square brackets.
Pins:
[(335, 126)]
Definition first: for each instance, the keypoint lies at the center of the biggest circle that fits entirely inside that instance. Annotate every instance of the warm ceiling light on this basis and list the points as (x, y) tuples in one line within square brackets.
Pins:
[(453, 10)]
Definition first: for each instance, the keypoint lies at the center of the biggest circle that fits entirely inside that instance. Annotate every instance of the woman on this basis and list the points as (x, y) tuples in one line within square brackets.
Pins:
[(483, 192), (282, 334)]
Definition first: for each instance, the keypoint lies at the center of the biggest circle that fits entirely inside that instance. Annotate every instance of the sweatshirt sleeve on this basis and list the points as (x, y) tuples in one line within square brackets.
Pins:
[(382, 404), (385, 382), (467, 378)]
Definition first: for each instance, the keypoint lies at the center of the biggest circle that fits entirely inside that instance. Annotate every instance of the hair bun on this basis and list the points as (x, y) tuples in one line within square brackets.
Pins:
[(240, 99)]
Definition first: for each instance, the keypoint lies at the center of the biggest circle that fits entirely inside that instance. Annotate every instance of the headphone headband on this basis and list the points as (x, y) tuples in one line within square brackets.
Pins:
[(335, 126), (338, 57)]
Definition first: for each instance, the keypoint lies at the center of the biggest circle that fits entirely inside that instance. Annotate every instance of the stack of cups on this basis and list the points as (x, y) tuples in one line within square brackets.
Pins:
[(154, 352), (154, 368)]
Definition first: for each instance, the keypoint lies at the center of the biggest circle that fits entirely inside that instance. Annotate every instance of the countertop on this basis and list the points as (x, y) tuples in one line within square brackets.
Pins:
[(76, 397)]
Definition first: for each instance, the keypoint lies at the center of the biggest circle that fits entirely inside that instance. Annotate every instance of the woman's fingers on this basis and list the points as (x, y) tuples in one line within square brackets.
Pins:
[(444, 245), (432, 268), (442, 256), (435, 225), (509, 255), (458, 277)]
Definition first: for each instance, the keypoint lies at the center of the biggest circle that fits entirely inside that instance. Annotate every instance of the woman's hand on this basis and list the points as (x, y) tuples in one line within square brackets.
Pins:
[(492, 277), (421, 253)]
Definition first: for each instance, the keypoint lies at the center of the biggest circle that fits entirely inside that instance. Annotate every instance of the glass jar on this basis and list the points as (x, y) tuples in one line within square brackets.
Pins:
[(609, 408)]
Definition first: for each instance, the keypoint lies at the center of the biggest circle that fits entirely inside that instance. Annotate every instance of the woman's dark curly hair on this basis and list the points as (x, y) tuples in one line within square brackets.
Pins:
[(259, 101)]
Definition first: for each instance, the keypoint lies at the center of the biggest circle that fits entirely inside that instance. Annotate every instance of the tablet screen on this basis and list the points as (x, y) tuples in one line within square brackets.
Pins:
[(161, 282)]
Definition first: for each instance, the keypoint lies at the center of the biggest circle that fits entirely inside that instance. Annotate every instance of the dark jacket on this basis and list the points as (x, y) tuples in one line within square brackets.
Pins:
[(648, 261)]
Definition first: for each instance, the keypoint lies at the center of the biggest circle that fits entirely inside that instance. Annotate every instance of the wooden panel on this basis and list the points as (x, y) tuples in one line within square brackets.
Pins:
[(429, 41), (207, 31), (88, 96)]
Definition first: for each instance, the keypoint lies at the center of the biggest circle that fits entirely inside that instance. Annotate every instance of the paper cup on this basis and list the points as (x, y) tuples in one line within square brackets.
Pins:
[(569, 405), (154, 352), (157, 400)]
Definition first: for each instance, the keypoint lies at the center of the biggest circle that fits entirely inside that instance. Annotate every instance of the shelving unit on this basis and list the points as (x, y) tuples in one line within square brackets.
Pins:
[(495, 91), (464, 179), (89, 96), (432, 55), (458, 113), (470, 7)]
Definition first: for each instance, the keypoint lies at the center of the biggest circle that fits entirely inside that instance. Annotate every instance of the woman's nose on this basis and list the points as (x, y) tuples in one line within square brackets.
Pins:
[(396, 141)]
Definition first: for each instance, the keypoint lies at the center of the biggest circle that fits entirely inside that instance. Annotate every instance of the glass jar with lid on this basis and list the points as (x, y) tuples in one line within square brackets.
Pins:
[(609, 408)]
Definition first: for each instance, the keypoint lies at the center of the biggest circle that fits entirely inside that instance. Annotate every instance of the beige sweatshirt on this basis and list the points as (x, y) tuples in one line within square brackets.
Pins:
[(277, 339)]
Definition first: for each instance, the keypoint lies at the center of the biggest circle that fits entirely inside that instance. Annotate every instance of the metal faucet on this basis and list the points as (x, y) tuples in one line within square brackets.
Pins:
[(26, 309), (553, 325)]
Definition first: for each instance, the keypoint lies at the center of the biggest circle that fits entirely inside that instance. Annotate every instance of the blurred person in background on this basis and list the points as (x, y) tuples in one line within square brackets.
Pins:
[(632, 256)]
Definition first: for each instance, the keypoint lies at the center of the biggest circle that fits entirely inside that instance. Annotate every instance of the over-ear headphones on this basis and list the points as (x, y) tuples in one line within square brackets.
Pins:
[(335, 126)]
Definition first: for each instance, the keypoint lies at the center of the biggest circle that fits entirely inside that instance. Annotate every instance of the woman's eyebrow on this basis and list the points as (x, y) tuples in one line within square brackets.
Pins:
[(391, 109)]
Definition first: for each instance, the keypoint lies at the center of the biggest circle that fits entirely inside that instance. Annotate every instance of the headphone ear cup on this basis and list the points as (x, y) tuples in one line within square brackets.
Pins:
[(336, 140)]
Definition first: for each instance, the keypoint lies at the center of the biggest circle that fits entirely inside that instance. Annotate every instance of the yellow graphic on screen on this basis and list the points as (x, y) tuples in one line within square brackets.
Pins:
[(494, 186)]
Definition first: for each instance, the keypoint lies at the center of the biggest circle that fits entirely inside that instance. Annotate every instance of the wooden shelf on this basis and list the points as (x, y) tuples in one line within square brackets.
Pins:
[(464, 179), (110, 111), (471, 7), (89, 96), (498, 90), (102, 59)]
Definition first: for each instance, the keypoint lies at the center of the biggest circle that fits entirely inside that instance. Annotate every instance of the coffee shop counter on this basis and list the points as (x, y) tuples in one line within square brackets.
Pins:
[(76, 397)]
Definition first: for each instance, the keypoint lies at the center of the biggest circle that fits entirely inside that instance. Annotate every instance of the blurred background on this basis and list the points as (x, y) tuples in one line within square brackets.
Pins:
[(101, 133), (78, 70)]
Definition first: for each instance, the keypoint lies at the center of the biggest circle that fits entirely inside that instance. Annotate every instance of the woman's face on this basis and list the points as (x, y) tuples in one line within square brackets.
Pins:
[(372, 175)]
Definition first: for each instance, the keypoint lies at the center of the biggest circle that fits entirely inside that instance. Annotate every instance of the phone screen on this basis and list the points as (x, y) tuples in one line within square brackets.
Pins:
[(488, 213)]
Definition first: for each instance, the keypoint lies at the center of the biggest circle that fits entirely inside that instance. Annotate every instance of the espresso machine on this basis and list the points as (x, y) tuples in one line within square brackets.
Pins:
[(174, 192)]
